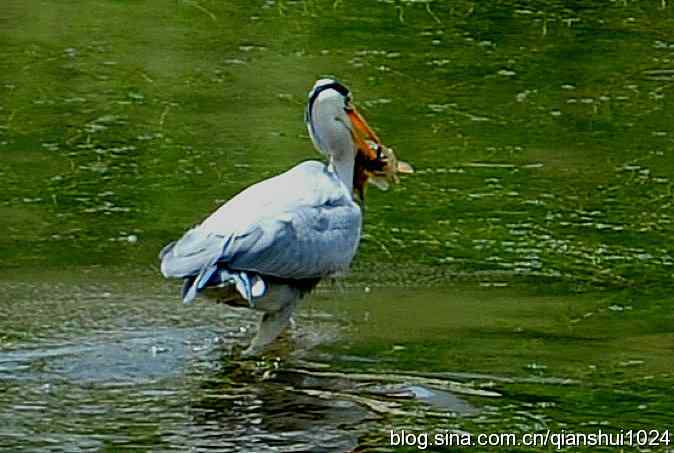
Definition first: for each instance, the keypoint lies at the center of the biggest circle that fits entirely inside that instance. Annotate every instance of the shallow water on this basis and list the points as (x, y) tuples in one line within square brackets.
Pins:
[(521, 280), (113, 365)]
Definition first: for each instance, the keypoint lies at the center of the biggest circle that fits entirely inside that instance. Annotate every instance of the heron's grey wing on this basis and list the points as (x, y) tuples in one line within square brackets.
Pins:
[(189, 254), (204, 243), (301, 224), (308, 241)]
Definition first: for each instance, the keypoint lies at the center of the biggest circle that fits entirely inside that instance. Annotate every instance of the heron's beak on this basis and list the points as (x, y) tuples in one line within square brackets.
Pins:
[(361, 131), (375, 162)]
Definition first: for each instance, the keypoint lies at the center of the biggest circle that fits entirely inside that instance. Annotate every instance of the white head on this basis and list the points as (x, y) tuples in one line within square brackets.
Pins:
[(326, 118), (339, 132), (336, 128)]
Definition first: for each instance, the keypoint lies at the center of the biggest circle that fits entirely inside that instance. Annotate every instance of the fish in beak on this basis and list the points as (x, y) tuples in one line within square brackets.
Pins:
[(375, 162)]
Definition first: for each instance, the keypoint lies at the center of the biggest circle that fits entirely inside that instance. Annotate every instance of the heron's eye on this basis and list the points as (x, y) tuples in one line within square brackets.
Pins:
[(347, 104)]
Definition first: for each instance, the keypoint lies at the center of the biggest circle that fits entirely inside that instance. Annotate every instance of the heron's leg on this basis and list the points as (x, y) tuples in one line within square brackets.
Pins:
[(270, 326)]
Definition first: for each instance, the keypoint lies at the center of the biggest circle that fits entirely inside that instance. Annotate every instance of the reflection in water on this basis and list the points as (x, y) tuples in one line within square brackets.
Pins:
[(263, 415), (86, 380), (135, 368), (95, 394)]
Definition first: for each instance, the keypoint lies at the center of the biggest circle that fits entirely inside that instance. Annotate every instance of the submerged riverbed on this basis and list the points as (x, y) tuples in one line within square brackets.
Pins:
[(520, 281)]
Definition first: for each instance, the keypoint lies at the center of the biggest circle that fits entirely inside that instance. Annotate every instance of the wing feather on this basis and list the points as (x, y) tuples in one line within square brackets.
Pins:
[(300, 224)]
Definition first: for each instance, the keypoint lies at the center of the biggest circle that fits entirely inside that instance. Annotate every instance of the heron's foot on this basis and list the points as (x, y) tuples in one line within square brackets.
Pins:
[(271, 325), (278, 349)]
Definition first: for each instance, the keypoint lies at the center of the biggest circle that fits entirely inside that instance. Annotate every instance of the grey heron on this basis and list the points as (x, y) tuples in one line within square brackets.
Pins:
[(270, 244)]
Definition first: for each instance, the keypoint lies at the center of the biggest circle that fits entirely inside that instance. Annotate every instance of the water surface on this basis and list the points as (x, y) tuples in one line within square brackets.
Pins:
[(521, 280)]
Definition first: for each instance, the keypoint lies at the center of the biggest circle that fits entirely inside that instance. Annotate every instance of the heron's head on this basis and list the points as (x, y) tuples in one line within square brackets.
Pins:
[(334, 124), (338, 131)]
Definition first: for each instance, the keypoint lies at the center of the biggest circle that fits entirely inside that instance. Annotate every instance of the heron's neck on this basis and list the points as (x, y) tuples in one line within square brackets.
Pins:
[(343, 164)]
